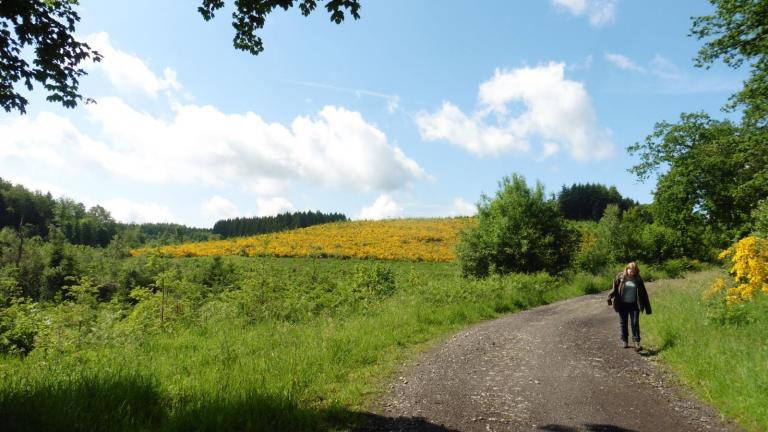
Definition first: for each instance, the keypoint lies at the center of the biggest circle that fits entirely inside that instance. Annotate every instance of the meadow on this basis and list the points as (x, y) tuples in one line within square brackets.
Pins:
[(246, 343), (718, 350)]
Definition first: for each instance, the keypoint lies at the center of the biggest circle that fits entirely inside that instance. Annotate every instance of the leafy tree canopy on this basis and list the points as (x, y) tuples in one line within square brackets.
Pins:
[(738, 32), (714, 174), (47, 27), (519, 230), (250, 16)]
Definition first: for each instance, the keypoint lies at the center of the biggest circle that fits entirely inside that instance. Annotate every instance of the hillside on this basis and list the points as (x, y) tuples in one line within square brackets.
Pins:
[(401, 240)]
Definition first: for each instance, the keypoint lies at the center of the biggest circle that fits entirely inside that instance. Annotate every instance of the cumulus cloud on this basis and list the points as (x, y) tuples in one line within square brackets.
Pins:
[(462, 208), (217, 208), (202, 145), (385, 207), (128, 72), (39, 140), (555, 109), (272, 206), (599, 12), (128, 211)]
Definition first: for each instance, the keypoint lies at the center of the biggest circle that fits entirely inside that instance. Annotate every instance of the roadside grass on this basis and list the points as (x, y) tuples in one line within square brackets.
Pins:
[(309, 371), (722, 354)]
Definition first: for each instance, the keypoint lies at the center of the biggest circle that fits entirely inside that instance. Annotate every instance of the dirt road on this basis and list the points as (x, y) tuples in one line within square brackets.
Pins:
[(559, 367)]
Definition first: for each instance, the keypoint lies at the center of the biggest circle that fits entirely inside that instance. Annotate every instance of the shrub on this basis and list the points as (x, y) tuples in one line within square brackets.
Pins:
[(374, 282), (19, 324), (519, 230)]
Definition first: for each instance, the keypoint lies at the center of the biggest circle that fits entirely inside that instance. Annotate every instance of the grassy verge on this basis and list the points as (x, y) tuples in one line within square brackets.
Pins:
[(316, 368), (721, 354)]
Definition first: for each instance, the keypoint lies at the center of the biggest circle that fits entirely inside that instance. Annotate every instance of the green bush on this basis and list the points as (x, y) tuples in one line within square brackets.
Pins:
[(518, 231), (374, 282), (675, 268), (19, 325), (590, 283)]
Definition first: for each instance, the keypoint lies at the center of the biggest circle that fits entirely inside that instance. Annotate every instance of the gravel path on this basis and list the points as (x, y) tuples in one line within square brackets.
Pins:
[(559, 367)]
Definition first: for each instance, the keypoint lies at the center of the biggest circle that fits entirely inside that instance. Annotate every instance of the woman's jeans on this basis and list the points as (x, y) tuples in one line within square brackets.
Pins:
[(629, 310)]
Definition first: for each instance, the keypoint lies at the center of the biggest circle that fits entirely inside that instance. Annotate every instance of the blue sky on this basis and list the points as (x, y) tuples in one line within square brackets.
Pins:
[(414, 110)]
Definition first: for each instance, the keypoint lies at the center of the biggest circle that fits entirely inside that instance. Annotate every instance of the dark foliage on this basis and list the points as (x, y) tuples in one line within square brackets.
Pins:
[(284, 221), (588, 201), (47, 27), (250, 16)]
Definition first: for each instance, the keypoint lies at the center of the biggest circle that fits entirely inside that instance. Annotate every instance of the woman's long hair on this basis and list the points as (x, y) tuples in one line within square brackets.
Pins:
[(632, 265)]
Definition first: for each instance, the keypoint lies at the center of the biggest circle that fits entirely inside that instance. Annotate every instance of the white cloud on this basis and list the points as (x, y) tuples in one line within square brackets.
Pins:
[(550, 149), (658, 66), (555, 109), (576, 7), (623, 62), (39, 140), (462, 208), (385, 207), (128, 72), (452, 125), (138, 212), (217, 208), (203, 145), (272, 206), (600, 12), (664, 68)]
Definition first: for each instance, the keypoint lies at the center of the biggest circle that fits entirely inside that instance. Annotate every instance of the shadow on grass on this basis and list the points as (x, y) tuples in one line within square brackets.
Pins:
[(126, 402), (591, 427), (133, 402), (650, 352)]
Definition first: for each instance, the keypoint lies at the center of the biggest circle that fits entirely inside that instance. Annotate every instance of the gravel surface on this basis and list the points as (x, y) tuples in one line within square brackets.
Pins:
[(559, 367)]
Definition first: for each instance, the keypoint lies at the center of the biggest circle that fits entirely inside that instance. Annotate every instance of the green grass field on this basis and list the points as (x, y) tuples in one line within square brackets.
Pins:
[(721, 354), (293, 344)]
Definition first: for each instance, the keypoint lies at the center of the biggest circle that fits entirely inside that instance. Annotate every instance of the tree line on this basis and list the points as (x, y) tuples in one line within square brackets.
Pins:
[(266, 224), (33, 213)]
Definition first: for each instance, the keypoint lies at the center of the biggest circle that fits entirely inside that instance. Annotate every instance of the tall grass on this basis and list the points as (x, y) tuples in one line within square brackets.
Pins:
[(722, 354), (228, 372)]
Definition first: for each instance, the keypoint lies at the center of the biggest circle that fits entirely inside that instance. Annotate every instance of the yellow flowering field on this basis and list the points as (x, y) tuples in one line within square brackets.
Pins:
[(400, 239)]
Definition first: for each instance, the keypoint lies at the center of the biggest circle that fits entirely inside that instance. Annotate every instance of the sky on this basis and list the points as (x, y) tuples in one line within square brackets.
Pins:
[(414, 110)]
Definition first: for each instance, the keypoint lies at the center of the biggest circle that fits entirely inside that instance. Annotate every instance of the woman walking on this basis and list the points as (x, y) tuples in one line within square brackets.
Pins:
[(629, 297)]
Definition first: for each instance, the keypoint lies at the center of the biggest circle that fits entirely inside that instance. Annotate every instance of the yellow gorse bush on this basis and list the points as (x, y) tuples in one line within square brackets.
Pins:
[(750, 270), (401, 239)]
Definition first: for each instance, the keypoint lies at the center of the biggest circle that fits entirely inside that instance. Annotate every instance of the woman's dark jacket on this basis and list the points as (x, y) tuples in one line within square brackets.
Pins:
[(618, 292)]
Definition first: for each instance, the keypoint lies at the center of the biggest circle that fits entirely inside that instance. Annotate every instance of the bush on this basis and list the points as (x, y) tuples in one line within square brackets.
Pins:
[(760, 219), (674, 268), (517, 231), (19, 324), (374, 282)]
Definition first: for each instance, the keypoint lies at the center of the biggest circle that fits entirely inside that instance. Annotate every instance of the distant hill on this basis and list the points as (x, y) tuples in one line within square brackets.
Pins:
[(400, 239)]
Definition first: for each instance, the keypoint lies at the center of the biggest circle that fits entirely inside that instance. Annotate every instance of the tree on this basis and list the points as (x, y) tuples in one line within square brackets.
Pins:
[(519, 230), (250, 16), (47, 27), (738, 30), (716, 172), (588, 201)]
